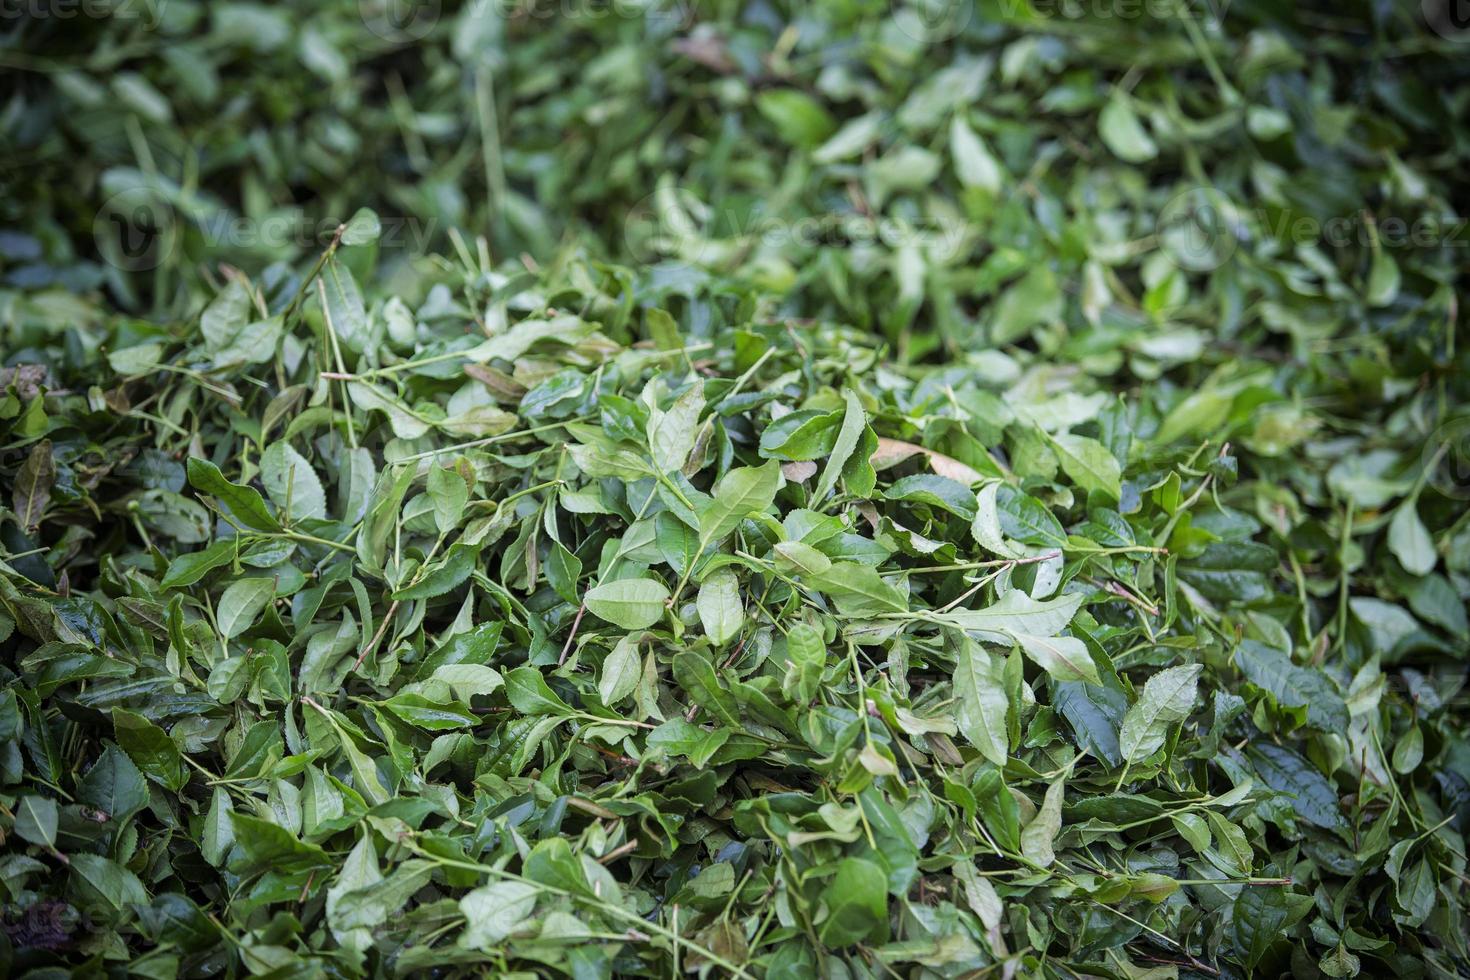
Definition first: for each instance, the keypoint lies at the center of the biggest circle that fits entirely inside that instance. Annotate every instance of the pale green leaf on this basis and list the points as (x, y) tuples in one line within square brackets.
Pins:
[(620, 671), (493, 912), (1039, 836), (719, 606), (980, 701), (291, 483), (1409, 540), (1065, 658), (633, 604), (1167, 697), (241, 603)]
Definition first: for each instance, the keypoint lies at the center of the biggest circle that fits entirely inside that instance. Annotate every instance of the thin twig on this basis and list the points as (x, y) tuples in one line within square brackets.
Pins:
[(618, 852), (567, 647), (373, 643)]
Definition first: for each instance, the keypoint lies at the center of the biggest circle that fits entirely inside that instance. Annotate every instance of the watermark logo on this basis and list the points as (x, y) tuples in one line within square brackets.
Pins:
[(672, 223), (1196, 230), (400, 21), (135, 230), (934, 21), (1450, 19), (1447, 458)]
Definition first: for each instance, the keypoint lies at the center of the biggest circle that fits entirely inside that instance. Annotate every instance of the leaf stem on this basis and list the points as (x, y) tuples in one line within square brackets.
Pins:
[(616, 911)]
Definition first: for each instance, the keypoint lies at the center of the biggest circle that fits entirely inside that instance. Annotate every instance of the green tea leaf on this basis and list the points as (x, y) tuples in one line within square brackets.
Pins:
[(799, 119), (493, 912), (742, 492), (1039, 836), (244, 504), (671, 434), (808, 660), (856, 900), (1256, 918), (1313, 797), (633, 604), (974, 163), (450, 494), (1409, 540), (1089, 464), (1293, 686), (720, 610), (854, 424), (187, 569), (150, 748), (528, 691), (36, 819), (1016, 613), (620, 672), (981, 702), (1167, 697), (31, 493), (291, 483), (1123, 133), (241, 603), (1065, 658)]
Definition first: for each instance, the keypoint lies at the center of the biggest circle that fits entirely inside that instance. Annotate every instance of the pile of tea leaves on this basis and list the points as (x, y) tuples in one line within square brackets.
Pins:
[(554, 624), (752, 488)]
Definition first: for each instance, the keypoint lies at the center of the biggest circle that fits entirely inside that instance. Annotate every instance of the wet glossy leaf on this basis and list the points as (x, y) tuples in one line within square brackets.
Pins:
[(1312, 796), (1256, 918), (150, 748)]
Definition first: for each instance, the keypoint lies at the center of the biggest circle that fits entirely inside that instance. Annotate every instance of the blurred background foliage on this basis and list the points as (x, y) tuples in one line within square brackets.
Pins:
[(970, 168)]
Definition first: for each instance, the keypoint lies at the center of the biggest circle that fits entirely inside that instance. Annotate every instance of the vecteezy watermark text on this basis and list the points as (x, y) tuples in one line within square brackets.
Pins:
[(150, 12), (1126, 10), (1447, 458), (673, 224), (406, 21), (137, 231), (1201, 229)]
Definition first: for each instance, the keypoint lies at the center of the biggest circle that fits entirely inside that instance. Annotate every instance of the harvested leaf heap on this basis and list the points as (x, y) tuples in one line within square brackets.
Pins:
[(352, 636), (927, 498)]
